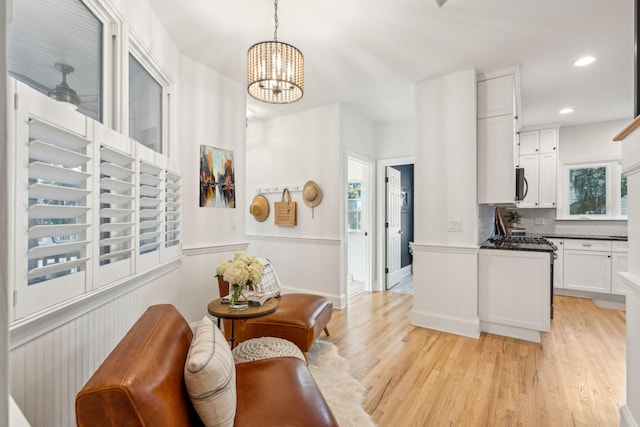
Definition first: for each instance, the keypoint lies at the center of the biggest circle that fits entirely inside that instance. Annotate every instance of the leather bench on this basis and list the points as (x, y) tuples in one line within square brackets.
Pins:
[(141, 383)]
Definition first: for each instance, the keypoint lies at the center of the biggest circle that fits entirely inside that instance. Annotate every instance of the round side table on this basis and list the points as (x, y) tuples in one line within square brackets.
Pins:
[(222, 311)]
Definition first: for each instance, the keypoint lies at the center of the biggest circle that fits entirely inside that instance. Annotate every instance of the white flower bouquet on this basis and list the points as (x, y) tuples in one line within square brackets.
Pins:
[(240, 272)]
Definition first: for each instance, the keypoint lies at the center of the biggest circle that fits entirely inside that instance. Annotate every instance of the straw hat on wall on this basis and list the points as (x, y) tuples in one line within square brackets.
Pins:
[(259, 208), (311, 194)]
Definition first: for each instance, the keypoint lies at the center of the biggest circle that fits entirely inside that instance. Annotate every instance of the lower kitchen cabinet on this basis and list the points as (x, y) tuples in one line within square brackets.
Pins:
[(514, 294), (587, 270), (590, 265), (619, 262)]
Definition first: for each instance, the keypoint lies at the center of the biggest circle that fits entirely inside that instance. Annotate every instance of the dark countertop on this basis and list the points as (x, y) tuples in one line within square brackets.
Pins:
[(585, 237), (488, 244)]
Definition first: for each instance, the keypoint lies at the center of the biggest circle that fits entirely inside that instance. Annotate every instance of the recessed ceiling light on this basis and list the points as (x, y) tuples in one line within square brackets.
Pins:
[(566, 110), (585, 60)]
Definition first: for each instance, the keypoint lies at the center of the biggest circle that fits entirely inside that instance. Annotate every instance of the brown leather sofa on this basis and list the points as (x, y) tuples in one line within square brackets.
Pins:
[(141, 383), (301, 318)]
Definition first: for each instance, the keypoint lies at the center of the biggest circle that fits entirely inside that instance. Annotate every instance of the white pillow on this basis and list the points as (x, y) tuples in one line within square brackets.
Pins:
[(270, 281), (210, 376)]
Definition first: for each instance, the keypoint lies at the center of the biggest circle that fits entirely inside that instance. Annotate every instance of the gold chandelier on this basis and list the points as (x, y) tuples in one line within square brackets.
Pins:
[(275, 70)]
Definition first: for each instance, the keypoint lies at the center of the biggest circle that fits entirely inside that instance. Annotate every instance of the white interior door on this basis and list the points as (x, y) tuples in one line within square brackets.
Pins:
[(393, 226)]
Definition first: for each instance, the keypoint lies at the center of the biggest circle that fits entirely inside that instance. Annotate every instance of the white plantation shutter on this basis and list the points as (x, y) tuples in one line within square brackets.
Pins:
[(90, 207), (116, 206), (172, 209), (150, 211), (59, 201)]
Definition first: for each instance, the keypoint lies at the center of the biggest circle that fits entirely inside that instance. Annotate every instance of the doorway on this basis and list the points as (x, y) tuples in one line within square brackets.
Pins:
[(396, 224), (359, 248)]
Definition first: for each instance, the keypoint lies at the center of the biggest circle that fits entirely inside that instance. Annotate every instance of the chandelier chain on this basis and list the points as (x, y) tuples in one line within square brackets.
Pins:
[(275, 18)]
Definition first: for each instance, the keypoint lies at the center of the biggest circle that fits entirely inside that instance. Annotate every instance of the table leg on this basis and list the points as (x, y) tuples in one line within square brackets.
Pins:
[(233, 332)]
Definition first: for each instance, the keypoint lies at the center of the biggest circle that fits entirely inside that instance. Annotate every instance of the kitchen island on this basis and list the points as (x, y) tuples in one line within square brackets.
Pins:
[(515, 293)]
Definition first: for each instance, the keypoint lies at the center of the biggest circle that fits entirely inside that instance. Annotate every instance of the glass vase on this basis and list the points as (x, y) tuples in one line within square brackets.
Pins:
[(238, 300)]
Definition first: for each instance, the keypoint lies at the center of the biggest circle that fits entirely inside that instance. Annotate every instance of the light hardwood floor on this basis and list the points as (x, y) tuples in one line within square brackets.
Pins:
[(420, 377)]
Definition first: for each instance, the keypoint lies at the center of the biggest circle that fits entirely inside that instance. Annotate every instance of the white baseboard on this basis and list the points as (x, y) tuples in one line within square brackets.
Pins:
[(610, 305), (338, 301), (510, 331), (626, 417), (450, 324)]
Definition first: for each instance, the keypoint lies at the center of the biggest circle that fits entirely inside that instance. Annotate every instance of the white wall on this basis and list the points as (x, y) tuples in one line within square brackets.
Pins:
[(446, 263), (395, 139), (630, 412), (212, 111), (51, 358), (4, 268), (288, 151), (589, 142)]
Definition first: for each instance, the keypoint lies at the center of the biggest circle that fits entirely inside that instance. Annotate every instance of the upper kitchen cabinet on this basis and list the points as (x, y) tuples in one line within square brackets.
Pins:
[(538, 141), (497, 127), (538, 157), (496, 96)]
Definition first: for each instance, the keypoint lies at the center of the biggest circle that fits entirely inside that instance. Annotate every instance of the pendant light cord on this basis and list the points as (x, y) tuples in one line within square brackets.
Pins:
[(275, 18)]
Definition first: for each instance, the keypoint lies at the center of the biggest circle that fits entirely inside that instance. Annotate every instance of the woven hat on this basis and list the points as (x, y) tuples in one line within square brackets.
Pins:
[(259, 208), (311, 194)]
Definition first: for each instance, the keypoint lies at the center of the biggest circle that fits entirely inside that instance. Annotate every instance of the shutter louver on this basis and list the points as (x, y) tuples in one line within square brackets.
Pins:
[(172, 209), (58, 202), (149, 213), (116, 206)]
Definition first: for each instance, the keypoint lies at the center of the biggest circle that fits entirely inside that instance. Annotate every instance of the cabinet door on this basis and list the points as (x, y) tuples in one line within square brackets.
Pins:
[(558, 264), (529, 142), (496, 97), (547, 180), (548, 140), (587, 270), (496, 165), (619, 263), (530, 165)]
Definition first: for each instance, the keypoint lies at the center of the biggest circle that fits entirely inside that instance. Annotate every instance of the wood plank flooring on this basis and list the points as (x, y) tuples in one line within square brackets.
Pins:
[(420, 377)]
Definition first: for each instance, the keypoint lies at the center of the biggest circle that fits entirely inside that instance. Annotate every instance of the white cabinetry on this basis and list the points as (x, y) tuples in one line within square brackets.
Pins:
[(497, 126), (558, 264), (587, 265), (496, 96), (514, 298), (538, 157), (619, 263)]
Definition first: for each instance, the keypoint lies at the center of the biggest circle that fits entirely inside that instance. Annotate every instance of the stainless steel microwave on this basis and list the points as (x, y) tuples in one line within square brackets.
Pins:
[(522, 186)]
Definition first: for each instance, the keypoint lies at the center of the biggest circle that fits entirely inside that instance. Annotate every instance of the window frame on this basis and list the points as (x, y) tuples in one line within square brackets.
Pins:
[(613, 190)]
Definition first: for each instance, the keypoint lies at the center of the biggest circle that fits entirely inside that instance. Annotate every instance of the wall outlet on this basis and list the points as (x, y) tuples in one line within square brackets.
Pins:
[(233, 224), (539, 221), (455, 225)]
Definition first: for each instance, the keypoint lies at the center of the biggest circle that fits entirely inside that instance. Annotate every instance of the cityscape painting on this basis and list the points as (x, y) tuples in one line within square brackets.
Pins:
[(217, 178)]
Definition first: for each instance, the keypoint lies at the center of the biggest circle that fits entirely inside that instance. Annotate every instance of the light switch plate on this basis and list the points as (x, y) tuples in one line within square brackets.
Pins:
[(455, 225), (539, 221)]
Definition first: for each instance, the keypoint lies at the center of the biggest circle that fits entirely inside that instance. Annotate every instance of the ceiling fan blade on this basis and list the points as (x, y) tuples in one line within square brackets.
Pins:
[(441, 2)]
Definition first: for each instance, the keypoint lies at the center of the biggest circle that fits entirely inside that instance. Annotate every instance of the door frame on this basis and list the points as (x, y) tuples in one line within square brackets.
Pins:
[(381, 217), (371, 220)]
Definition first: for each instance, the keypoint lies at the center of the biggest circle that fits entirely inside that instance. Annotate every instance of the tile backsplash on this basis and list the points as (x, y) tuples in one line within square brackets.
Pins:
[(547, 224)]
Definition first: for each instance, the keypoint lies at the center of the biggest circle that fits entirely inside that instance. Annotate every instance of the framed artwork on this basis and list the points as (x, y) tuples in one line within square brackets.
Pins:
[(217, 178), (405, 203)]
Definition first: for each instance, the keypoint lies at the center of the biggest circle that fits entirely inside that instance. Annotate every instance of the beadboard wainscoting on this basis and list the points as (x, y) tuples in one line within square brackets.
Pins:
[(49, 364), (445, 289), (305, 265)]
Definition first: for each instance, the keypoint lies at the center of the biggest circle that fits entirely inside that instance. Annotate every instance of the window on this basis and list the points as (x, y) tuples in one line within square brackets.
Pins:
[(44, 36), (145, 106), (623, 194), (588, 191), (593, 191), (354, 205)]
